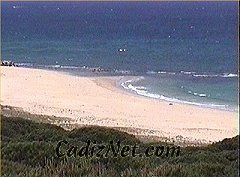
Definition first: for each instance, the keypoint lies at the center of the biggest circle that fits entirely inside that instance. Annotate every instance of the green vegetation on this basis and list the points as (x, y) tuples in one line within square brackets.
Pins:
[(28, 149)]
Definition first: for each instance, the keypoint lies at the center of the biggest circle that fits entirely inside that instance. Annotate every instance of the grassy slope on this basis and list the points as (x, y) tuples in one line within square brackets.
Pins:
[(28, 149)]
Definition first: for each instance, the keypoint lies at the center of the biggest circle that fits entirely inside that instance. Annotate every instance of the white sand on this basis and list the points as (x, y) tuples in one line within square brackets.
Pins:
[(97, 101)]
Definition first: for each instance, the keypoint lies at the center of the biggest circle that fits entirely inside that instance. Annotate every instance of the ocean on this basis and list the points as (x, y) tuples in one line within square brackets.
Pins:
[(176, 51)]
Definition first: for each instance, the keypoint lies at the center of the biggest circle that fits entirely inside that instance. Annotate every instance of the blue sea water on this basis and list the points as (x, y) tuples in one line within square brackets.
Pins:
[(177, 51)]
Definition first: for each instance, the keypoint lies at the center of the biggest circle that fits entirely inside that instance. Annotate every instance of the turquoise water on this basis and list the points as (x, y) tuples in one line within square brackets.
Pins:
[(182, 51), (201, 90)]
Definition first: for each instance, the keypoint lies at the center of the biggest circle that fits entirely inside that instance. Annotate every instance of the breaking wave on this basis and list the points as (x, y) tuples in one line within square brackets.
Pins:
[(141, 90)]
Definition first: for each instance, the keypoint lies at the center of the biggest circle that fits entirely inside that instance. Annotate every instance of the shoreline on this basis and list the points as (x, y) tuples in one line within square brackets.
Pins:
[(181, 102), (118, 83), (99, 101)]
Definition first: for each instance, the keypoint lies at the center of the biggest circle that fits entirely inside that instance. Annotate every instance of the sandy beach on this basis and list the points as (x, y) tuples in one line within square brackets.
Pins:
[(97, 101)]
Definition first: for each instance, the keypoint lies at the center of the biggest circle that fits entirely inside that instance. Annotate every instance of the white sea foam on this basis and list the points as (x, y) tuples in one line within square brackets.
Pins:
[(162, 72), (70, 67), (171, 73), (24, 64), (205, 75), (122, 71), (151, 72), (202, 95), (140, 87), (56, 66), (187, 72), (165, 72), (229, 75), (196, 94), (195, 74), (216, 75), (140, 90)]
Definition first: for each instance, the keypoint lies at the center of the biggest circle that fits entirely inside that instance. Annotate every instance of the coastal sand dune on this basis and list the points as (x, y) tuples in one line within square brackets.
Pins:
[(97, 101)]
